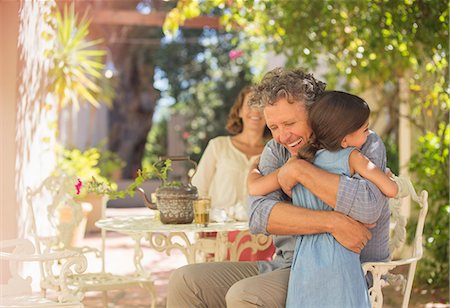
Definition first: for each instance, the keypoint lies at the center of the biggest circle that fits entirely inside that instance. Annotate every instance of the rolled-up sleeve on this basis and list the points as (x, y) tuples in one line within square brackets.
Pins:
[(272, 158), (358, 197), (260, 208)]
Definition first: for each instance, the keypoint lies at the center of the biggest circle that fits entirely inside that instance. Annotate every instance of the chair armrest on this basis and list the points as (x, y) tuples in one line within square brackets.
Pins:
[(23, 250), (390, 264)]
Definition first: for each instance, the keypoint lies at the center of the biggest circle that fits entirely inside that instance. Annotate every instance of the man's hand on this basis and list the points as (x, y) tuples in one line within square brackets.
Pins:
[(287, 175), (350, 233)]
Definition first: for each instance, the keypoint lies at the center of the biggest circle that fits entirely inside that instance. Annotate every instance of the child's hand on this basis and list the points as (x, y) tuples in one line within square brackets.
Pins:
[(286, 175)]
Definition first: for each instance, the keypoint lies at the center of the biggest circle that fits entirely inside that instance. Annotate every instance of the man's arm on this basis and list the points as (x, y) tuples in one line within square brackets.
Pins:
[(260, 207), (292, 220), (353, 196), (273, 214)]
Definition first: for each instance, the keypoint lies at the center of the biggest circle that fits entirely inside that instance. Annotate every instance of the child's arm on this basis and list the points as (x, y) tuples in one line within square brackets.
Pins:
[(364, 167), (259, 185)]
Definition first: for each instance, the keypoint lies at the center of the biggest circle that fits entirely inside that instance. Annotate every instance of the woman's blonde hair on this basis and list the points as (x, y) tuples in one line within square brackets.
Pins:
[(234, 122)]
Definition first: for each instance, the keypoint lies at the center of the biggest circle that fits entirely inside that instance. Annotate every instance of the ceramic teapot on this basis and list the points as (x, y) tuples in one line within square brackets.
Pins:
[(174, 202)]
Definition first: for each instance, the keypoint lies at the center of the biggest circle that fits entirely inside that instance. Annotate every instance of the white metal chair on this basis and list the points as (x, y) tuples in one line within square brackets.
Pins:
[(61, 190), (381, 270), (17, 292)]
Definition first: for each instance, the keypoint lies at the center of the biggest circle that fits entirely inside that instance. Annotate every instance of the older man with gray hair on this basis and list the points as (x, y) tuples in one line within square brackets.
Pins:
[(284, 94)]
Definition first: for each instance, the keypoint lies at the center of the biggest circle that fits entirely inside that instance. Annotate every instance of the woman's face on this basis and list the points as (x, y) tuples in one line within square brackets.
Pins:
[(252, 118)]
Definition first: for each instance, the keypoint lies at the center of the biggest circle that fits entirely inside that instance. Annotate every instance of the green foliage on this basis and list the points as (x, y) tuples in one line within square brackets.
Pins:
[(76, 65), (83, 165), (90, 164), (203, 81), (394, 47), (158, 170), (109, 163), (430, 165), (392, 154), (179, 14), (156, 145)]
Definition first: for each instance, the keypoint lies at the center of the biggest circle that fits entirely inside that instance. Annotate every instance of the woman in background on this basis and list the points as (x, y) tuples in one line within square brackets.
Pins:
[(225, 164)]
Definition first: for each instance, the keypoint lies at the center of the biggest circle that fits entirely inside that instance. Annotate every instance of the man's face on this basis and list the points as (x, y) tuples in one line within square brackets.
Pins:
[(288, 124)]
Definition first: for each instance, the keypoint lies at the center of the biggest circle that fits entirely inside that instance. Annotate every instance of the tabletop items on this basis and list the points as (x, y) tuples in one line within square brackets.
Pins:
[(174, 199), (202, 207)]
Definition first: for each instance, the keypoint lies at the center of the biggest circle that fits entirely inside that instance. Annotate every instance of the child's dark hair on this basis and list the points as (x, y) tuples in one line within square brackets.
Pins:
[(333, 116)]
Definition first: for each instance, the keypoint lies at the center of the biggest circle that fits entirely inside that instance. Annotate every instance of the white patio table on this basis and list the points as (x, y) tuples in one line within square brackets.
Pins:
[(166, 237)]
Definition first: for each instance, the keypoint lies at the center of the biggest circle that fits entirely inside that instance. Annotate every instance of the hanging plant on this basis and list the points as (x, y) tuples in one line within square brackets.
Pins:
[(76, 63)]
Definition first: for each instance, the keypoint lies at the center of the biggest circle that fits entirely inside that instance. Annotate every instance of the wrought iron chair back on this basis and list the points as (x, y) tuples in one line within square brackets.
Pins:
[(17, 292), (381, 270), (64, 215)]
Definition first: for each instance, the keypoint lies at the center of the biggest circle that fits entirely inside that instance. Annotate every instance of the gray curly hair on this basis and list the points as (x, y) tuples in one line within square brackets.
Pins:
[(293, 85)]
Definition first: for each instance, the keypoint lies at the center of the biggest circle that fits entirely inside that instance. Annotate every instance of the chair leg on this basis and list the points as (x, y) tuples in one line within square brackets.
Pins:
[(105, 299), (375, 293), (43, 292), (409, 283), (151, 288)]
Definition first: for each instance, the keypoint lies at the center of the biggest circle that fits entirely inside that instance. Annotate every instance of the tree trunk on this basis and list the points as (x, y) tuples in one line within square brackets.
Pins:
[(133, 108)]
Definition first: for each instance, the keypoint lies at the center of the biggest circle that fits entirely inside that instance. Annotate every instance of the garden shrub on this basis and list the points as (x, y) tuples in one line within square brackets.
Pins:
[(430, 168)]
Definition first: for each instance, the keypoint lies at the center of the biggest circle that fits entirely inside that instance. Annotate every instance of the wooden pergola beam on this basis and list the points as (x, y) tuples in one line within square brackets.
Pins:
[(156, 19)]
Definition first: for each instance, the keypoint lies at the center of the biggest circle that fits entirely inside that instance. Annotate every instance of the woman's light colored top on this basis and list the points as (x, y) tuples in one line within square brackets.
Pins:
[(222, 175)]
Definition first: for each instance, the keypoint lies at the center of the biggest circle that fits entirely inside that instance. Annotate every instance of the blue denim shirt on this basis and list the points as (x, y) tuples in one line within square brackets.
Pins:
[(357, 198)]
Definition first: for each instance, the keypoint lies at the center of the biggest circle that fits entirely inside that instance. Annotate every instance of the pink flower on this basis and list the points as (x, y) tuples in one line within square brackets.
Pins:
[(234, 54), (78, 186), (186, 135)]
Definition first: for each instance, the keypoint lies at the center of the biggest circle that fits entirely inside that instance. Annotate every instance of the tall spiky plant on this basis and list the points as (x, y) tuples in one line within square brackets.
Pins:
[(77, 61)]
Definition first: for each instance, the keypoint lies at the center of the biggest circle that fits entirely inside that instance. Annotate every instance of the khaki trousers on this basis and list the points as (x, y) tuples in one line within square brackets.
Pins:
[(227, 284)]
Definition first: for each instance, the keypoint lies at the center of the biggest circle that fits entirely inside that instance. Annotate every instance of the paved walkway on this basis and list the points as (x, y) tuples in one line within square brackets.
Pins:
[(119, 259)]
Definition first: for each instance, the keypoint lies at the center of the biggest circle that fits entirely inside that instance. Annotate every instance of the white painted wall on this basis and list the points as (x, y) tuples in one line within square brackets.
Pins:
[(27, 142), (9, 25)]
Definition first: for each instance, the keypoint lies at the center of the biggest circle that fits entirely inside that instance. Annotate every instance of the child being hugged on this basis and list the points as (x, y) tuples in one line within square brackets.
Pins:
[(331, 273)]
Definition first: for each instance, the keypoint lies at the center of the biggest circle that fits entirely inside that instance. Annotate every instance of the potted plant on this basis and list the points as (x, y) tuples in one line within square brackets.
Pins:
[(66, 214), (86, 165), (173, 198)]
